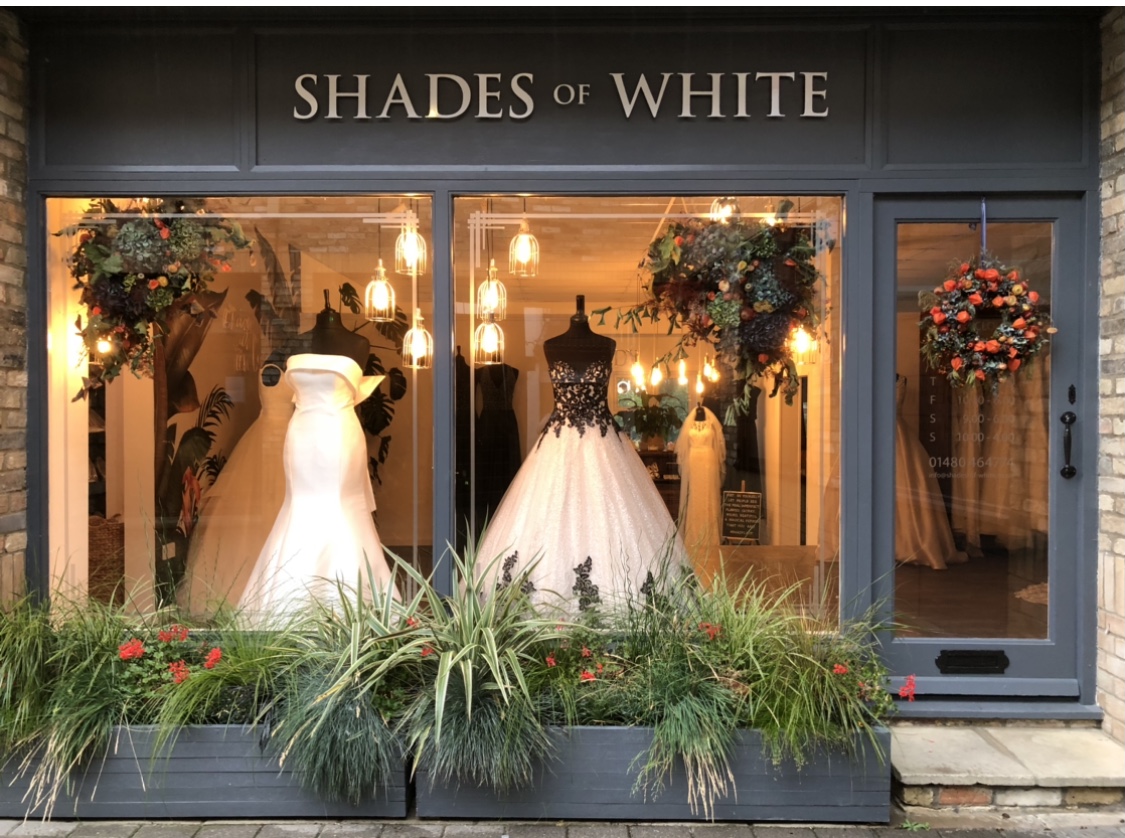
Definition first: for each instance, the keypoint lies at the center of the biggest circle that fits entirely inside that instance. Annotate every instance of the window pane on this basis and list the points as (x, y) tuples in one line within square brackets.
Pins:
[(171, 486), (971, 477), (755, 493)]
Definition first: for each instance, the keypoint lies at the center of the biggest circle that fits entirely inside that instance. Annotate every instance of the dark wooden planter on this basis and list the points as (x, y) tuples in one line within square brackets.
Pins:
[(592, 779), (210, 772)]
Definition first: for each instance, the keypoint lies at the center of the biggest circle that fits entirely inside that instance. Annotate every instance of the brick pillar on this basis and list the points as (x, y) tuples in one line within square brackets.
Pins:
[(13, 305), (1111, 419)]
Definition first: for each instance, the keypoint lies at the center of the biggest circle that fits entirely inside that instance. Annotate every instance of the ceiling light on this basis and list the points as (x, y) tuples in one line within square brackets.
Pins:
[(379, 299), (418, 346)]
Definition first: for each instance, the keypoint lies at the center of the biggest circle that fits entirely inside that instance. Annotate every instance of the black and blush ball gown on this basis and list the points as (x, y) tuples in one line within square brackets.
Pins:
[(324, 533), (582, 512)]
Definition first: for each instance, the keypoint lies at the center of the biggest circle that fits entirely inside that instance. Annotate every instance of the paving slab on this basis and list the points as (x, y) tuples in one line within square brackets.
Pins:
[(349, 829), (7, 825), (843, 832), (953, 756), (228, 830), (529, 830), (1063, 757), (105, 829), (41, 829), (663, 830), (412, 830), (173, 829), (722, 830), (302, 829), (597, 830)]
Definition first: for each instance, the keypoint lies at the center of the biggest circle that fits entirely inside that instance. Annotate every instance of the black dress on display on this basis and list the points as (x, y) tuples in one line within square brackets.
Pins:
[(463, 384), (582, 516), (498, 437)]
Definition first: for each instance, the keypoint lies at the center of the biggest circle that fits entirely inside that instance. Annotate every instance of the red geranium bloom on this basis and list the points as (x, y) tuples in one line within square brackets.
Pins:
[(213, 657), (587, 675), (840, 669), (551, 660), (586, 652), (131, 650), (427, 650), (907, 689), (180, 671)]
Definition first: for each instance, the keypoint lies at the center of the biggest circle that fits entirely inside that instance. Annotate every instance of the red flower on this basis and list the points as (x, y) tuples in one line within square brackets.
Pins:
[(153, 284), (600, 667), (173, 632), (165, 233), (976, 299), (964, 317), (763, 358), (956, 363), (949, 285), (131, 650), (587, 675), (907, 690), (679, 240), (213, 657), (992, 275), (427, 650), (711, 629), (939, 317), (410, 621), (180, 671), (998, 302), (1014, 364), (1033, 296), (980, 375), (551, 660), (586, 652), (840, 669), (964, 268), (992, 346)]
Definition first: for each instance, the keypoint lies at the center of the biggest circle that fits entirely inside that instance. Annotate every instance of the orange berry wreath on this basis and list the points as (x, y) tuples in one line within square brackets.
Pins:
[(954, 342)]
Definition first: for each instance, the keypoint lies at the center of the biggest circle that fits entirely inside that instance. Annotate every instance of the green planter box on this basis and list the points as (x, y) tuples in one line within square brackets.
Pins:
[(210, 772), (592, 778)]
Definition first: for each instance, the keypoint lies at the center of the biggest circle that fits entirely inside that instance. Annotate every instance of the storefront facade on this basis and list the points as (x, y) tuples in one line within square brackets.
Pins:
[(897, 146)]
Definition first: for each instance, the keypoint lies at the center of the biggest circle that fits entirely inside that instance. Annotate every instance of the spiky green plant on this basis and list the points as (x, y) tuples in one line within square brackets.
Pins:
[(474, 718)]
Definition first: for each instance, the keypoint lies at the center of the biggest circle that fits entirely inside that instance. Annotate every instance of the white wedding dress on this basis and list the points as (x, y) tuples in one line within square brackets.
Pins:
[(324, 533), (582, 507), (922, 532), (240, 507), (701, 455)]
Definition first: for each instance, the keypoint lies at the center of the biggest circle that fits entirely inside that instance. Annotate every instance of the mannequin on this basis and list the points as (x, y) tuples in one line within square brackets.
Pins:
[(701, 455), (582, 517), (331, 337), (498, 437), (700, 413), (579, 346)]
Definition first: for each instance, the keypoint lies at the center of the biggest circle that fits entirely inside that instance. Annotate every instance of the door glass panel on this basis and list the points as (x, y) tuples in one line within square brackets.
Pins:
[(971, 462)]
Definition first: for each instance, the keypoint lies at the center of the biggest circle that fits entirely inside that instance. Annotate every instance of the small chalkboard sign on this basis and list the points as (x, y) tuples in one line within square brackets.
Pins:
[(742, 515)]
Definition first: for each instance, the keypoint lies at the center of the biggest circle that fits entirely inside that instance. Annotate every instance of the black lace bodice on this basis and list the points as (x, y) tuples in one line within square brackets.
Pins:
[(580, 398)]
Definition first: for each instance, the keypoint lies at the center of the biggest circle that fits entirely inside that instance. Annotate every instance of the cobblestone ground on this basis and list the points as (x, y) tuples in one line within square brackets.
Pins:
[(985, 824)]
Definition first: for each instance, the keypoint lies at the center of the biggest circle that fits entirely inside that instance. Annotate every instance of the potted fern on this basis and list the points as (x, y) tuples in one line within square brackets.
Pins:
[(652, 417)]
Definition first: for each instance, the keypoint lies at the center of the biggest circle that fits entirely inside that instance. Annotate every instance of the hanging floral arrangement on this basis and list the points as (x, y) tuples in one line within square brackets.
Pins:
[(740, 284), (982, 323), (135, 267)]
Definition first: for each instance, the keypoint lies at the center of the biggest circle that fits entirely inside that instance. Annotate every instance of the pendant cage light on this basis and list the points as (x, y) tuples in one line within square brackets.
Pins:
[(410, 249), (492, 296), (523, 252), (723, 209), (379, 298), (488, 343), (418, 346)]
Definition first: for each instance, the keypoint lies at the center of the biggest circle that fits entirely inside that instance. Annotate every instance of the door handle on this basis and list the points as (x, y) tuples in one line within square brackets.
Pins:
[(1067, 471)]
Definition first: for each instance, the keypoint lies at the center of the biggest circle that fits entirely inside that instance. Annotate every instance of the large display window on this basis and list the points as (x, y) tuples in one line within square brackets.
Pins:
[(649, 380), (171, 324)]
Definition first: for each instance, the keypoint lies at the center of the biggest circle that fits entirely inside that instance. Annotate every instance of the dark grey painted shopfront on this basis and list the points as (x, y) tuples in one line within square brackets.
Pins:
[(913, 118)]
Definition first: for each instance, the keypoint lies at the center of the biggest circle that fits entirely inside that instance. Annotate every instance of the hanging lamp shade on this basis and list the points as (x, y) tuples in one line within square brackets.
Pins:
[(418, 346), (410, 252), (488, 343), (523, 252), (492, 296), (722, 209), (379, 299)]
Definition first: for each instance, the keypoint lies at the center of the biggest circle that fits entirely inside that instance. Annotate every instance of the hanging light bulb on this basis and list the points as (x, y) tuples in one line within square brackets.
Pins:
[(418, 346), (656, 376), (723, 209), (638, 373), (410, 251), (682, 378), (709, 371), (523, 252), (379, 299), (699, 383), (492, 296), (488, 343), (104, 346), (801, 341), (770, 218)]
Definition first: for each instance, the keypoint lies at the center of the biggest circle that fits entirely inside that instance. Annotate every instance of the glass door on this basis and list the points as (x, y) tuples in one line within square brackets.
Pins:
[(983, 443)]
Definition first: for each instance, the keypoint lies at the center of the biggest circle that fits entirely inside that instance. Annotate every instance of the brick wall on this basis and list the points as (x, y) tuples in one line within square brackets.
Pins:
[(1111, 419), (13, 305)]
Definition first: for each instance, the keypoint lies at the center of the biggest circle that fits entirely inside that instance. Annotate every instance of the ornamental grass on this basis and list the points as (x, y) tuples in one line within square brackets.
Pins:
[(467, 685)]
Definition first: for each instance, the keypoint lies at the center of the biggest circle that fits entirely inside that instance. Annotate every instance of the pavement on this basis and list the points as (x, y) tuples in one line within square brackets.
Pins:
[(980, 823)]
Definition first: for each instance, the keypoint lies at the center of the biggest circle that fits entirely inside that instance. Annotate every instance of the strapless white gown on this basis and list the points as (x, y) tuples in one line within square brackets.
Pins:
[(324, 533)]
